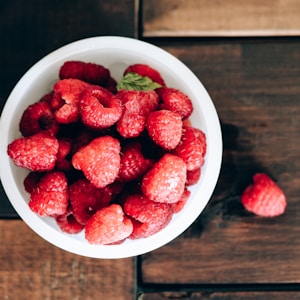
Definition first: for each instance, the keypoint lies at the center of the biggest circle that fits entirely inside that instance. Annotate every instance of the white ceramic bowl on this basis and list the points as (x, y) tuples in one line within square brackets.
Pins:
[(116, 53)]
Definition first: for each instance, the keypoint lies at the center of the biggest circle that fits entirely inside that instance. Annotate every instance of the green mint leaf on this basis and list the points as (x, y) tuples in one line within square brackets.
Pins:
[(133, 81)]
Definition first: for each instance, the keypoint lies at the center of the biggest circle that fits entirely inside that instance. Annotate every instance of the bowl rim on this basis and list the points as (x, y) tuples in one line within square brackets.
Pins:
[(213, 158)]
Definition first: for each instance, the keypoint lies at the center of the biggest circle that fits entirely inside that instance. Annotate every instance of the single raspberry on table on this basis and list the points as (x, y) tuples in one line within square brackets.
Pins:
[(108, 225), (36, 118), (86, 199), (133, 163), (99, 108), (146, 70), (50, 196), (264, 197), (175, 100), (190, 149), (36, 153), (165, 128), (165, 181), (99, 160), (67, 223), (89, 72)]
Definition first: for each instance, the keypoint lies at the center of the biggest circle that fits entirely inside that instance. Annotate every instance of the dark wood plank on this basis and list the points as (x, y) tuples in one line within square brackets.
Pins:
[(30, 30), (33, 269), (225, 18), (221, 295), (255, 85)]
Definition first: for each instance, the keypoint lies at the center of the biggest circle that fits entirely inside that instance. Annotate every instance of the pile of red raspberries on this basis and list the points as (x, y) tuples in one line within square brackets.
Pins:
[(114, 159)]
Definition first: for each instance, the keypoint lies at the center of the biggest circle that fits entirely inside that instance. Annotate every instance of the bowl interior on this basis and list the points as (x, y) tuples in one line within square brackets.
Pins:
[(115, 53)]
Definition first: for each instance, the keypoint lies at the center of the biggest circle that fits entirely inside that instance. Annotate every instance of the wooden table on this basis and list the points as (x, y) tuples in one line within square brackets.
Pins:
[(227, 253)]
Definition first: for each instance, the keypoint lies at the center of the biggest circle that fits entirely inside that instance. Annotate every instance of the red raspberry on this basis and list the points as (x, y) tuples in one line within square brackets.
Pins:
[(47, 97), (164, 128), (64, 149), (186, 123), (190, 149), (133, 163), (140, 208), (38, 117), (165, 181), (131, 123), (36, 153), (50, 196), (86, 199), (88, 72), (148, 217), (65, 101), (108, 225), (99, 160), (111, 85), (202, 138), (176, 101), (99, 108), (144, 101), (31, 180), (67, 223), (62, 163), (136, 107), (263, 197), (144, 230), (82, 138), (192, 177), (149, 192), (145, 70), (179, 205)]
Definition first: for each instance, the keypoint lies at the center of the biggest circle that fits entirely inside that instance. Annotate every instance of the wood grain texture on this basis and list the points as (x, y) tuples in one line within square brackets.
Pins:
[(220, 18), (221, 296), (255, 86), (31, 268)]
